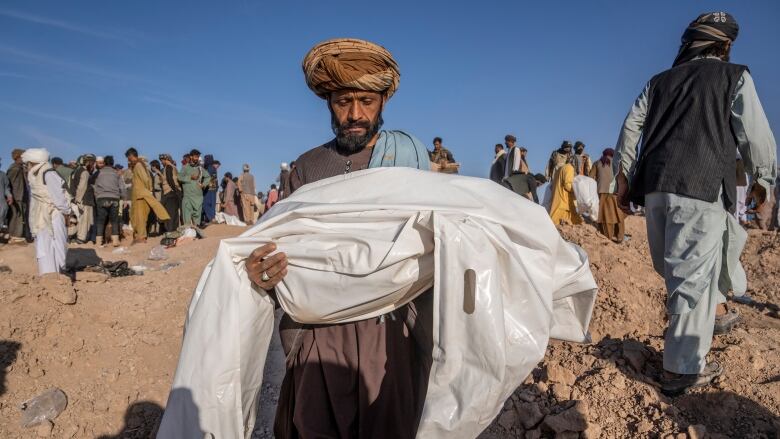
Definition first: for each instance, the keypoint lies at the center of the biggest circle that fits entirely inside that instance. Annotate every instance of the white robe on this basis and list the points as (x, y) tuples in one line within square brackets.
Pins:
[(364, 244), (50, 202)]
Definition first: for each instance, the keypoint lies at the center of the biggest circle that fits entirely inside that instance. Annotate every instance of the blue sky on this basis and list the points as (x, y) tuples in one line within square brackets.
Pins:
[(225, 77)]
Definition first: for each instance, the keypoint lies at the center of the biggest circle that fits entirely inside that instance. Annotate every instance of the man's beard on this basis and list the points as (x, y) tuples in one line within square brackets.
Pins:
[(352, 143)]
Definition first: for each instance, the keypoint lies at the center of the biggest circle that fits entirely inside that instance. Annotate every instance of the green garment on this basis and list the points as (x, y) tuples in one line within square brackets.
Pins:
[(64, 172), (192, 190)]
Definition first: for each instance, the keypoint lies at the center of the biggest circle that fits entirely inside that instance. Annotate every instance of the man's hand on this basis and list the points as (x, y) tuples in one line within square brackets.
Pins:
[(274, 267), (194, 177), (622, 193), (9, 199)]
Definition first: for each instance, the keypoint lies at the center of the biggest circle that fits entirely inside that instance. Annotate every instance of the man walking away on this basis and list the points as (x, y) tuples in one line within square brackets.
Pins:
[(562, 208), (611, 219), (17, 222), (246, 187), (171, 192), (109, 191), (83, 194), (49, 207), (691, 119), (499, 164)]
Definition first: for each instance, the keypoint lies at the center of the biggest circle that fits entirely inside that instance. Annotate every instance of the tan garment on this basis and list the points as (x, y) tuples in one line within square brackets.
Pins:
[(139, 215), (86, 219), (143, 201), (611, 219), (603, 175), (248, 207), (348, 63)]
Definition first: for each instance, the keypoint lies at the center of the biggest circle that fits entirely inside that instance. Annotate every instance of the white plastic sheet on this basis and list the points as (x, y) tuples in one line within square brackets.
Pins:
[(223, 218), (586, 193), (504, 283)]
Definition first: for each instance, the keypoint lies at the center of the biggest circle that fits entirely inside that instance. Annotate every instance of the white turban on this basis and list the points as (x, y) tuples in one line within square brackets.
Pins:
[(246, 167), (285, 167), (99, 158), (35, 155)]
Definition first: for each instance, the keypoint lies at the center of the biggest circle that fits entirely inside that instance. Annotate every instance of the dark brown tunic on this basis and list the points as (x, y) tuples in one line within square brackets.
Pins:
[(365, 379)]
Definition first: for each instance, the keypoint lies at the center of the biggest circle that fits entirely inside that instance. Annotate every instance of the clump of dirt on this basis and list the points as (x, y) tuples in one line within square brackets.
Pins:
[(111, 344), (610, 388)]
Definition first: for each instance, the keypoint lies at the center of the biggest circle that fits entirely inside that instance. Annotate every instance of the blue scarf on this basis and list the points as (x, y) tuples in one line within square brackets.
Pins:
[(396, 148)]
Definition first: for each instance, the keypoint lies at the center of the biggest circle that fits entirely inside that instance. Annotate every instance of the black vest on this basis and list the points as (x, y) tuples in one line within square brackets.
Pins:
[(688, 147)]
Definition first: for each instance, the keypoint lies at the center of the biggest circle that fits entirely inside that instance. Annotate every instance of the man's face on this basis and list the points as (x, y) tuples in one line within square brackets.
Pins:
[(523, 153), (131, 160), (499, 149), (194, 160), (356, 117), (90, 165), (580, 149), (100, 164), (510, 143), (437, 145)]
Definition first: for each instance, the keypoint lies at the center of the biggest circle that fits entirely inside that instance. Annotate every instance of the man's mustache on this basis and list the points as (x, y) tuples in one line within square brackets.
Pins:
[(356, 124)]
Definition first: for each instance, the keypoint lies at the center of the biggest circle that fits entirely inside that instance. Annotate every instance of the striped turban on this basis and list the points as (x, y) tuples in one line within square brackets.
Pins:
[(347, 63), (707, 30)]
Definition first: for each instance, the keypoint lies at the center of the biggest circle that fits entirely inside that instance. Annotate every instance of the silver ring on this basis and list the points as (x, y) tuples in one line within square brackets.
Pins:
[(265, 277)]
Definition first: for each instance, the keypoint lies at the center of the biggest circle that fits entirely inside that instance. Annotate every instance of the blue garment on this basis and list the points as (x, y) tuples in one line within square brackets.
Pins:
[(210, 205), (396, 148)]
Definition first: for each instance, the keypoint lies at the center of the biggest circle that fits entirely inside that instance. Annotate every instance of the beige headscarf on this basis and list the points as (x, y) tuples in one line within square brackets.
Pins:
[(348, 63)]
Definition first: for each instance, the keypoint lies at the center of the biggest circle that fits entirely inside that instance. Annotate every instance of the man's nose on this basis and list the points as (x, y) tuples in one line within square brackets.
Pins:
[(355, 112)]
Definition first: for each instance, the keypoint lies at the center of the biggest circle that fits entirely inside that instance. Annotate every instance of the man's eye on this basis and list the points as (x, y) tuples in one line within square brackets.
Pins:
[(366, 101)]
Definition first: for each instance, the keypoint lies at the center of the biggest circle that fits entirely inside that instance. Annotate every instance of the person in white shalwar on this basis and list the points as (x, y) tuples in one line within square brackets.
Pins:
[(691, 119), (49, 208)]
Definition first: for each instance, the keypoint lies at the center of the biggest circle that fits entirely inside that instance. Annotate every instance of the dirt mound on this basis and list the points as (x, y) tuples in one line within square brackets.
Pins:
[(111, 344), (610, 388)]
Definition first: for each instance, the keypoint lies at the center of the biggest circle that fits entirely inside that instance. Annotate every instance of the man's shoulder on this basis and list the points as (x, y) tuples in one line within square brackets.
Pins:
[(315, 153)]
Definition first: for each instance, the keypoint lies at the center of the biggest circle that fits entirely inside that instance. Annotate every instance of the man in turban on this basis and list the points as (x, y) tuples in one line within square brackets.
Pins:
[(360, 379), (684, 176), (246, 187), (49, 208)]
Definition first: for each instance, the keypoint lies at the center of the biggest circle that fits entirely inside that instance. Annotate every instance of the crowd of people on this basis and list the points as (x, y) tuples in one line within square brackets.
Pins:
[(150, 197), (510, 168), (756, 205)]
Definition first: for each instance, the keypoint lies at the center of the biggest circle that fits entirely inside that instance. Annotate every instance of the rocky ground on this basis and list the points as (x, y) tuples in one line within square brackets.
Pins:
[(610, 388), (112, 344)]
